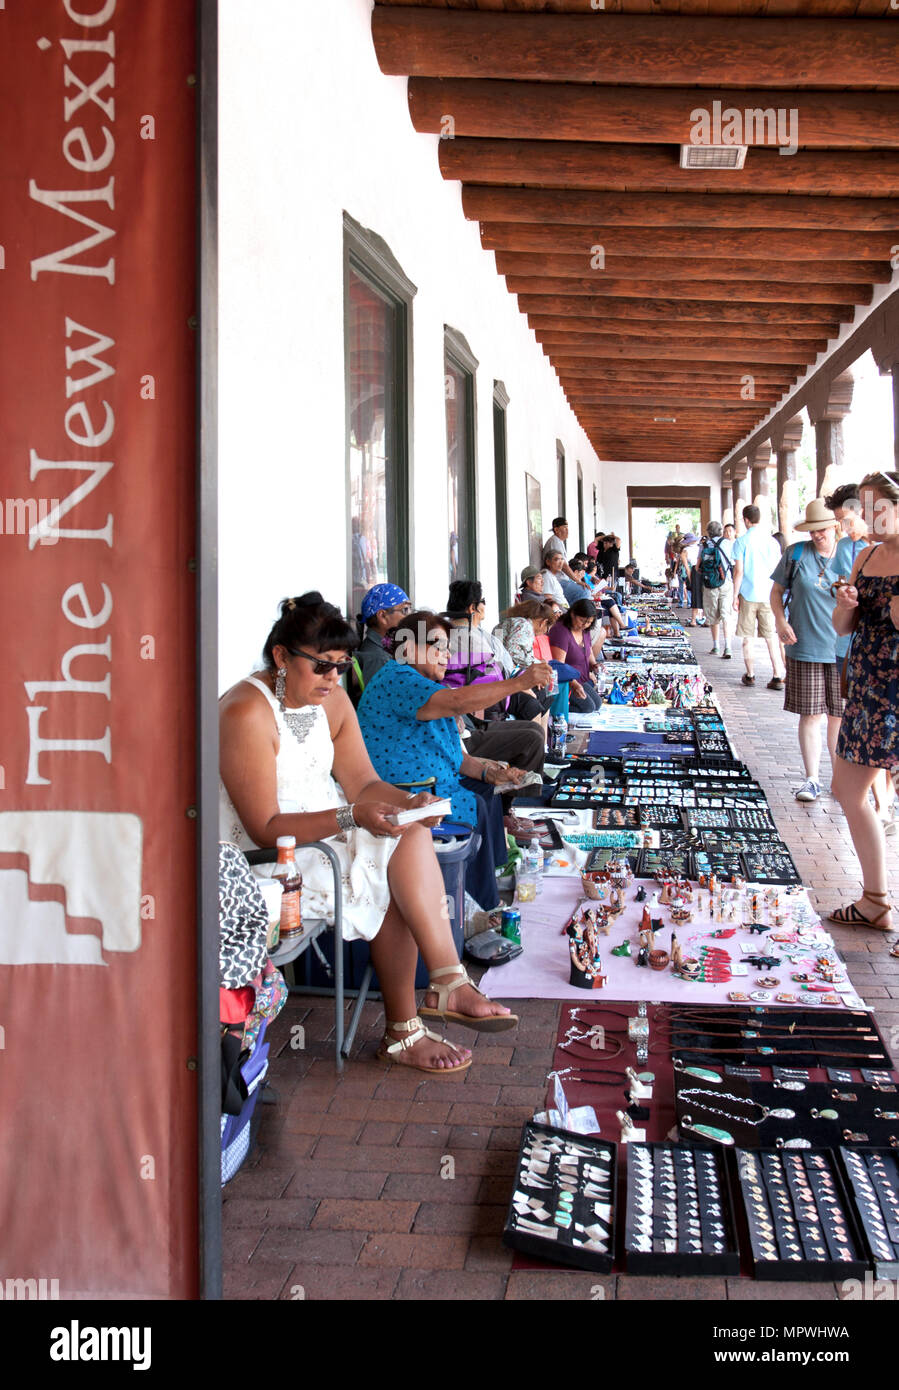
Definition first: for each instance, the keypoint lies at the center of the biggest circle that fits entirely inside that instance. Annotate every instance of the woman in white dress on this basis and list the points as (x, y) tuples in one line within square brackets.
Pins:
[(293, 762)]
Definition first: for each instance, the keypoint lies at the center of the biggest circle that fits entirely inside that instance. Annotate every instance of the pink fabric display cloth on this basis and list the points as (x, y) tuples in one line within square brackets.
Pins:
[(542, 970)]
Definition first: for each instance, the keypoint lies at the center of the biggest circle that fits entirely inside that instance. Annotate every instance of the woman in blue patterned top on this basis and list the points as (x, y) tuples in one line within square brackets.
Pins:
[(408, 722)]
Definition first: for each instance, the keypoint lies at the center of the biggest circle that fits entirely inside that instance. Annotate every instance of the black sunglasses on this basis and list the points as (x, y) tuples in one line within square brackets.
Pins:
[(323, 668)]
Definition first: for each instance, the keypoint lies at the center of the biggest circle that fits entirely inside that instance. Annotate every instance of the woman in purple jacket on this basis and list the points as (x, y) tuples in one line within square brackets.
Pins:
[(569, 641)]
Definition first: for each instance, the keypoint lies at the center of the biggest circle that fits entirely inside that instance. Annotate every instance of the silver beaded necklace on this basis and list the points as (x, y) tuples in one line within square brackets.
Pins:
[(298, 721), (781, 1113)]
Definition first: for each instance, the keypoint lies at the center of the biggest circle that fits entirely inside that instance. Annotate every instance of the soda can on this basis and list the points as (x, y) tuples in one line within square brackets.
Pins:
[(510, 924)]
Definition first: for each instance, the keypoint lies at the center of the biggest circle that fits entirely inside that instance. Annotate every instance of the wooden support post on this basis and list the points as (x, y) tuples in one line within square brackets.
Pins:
[(760, 490), (786, 444), (827, 409), (740, 475), (727, 497)]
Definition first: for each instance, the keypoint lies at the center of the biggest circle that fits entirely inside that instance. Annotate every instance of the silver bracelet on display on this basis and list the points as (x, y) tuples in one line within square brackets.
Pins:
[(345, 818)]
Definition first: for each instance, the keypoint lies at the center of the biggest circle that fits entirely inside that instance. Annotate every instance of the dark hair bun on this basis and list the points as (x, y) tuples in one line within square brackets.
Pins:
[(309, 622)]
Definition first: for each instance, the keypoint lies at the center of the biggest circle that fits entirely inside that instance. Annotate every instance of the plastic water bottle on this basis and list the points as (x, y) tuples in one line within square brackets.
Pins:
[(533, 861), (560, 734)]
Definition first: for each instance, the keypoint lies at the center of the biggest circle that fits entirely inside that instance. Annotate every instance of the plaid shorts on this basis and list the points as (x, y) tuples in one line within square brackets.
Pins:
[(813, 687)]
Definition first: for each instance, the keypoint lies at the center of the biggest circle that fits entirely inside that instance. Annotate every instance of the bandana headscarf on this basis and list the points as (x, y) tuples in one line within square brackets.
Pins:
[(382, 596)]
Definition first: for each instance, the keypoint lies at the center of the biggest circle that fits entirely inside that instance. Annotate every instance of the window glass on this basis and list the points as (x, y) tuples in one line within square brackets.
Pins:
[(459, 470), (371, 350)]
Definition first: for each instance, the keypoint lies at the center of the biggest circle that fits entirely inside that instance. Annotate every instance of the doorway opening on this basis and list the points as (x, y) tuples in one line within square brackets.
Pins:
[(653, 512)]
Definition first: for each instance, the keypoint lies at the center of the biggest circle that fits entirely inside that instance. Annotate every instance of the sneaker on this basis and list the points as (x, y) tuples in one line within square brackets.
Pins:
[(776, 683), (713, 651), (726, 655), (749, 680), (809, 791)]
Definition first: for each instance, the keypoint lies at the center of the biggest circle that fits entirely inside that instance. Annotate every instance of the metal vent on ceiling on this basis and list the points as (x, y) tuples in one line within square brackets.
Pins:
[(712, 156)]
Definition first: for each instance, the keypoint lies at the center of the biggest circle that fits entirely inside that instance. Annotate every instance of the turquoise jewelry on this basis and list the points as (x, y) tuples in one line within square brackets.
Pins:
[(721, 1136), (703, 1073)]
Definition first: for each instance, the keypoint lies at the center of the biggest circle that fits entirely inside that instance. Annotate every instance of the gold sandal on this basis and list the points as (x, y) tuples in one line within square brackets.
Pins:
[(851, 917), (489, 1023), (415, 1029)]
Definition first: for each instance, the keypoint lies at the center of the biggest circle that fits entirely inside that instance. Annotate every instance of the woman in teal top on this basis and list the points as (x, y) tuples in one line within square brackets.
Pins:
[(414, 749), (808, 570), (408, 722)]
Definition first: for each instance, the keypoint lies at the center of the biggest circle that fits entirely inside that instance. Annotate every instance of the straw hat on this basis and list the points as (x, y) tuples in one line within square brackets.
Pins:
[(817, 517)]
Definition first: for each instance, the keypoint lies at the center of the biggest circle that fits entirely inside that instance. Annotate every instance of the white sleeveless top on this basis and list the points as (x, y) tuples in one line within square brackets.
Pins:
[(305, 784)]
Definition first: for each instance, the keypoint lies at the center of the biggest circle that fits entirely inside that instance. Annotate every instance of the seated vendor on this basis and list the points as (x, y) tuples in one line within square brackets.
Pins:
[(408, 722)]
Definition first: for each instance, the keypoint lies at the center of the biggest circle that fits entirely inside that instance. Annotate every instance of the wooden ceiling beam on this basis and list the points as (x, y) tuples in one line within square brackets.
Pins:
[(708, 357), (723, 243), (484, 202), (752, 291), (720, 348), (567, 266), (590, 344), (617, 395), (671, 306), (585, 164), (651, 115), (670, 49), (587, 328), (664, 373)]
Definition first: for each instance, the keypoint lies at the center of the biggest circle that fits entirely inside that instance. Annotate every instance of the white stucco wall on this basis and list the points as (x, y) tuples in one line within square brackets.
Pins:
[(310, 127)]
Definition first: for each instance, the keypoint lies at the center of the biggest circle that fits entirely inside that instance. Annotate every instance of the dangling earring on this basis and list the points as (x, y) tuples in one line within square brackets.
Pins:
[(280, 685)]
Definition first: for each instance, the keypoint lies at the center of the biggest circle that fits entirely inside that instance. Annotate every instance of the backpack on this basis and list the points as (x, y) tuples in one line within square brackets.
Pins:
[(712, 566)]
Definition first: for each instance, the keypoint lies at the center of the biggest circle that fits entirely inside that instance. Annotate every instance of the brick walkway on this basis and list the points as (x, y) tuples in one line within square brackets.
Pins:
[(348, 1194)]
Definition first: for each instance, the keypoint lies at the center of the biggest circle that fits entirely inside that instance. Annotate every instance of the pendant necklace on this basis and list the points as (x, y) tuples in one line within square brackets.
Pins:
[(780, 1114), (298, 721)]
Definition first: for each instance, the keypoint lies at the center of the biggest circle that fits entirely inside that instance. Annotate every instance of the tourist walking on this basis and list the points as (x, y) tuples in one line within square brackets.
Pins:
[(716, 574), (756, 554), (807, 573)]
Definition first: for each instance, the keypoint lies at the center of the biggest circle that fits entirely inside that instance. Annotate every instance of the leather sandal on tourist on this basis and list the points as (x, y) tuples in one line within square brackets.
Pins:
[(415, 1030), (489, 1023), (851, 917)]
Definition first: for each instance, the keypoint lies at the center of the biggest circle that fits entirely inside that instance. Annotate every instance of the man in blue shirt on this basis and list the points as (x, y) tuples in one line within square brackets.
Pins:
[(756, 553), (809, 570)]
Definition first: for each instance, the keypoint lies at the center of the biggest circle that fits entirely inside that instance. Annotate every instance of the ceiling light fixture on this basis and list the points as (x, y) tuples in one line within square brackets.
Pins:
[(712, 156), (664, 419)]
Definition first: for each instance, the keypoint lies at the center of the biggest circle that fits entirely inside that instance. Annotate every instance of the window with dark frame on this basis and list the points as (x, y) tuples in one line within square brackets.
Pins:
[(560, 468), (504, 578), (460, 366), (378, 322)]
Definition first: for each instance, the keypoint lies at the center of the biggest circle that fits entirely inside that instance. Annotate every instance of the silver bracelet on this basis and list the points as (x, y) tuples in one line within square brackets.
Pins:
[(345, 818)]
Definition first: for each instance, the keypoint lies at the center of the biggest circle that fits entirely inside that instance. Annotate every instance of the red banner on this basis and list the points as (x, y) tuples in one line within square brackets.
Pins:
[(98, 1034)]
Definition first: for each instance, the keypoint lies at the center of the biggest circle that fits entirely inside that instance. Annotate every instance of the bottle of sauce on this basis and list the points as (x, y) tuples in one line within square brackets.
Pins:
[(291, 886)]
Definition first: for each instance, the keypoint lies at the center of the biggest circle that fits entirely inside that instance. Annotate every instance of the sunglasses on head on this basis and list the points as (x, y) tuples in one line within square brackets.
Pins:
[(323, 668)]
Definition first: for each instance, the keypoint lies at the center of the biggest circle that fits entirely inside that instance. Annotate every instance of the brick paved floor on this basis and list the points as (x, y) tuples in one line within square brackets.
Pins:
[(349, 1193)]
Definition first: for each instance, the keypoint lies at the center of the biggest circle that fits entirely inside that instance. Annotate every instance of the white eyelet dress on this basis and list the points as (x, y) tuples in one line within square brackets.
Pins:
[(305, 784)]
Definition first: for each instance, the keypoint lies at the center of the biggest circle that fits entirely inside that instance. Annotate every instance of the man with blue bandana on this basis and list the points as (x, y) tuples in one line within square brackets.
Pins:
[(383, 609)]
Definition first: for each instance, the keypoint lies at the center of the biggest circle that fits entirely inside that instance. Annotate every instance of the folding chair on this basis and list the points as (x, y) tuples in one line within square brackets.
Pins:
[(311, 931)]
